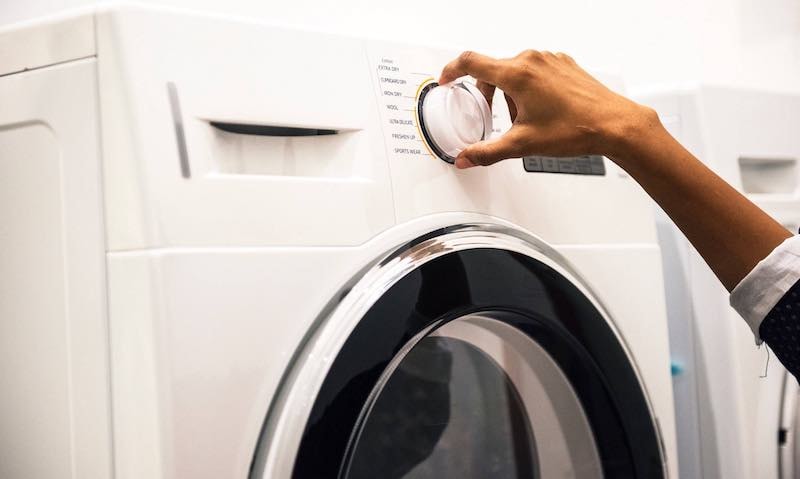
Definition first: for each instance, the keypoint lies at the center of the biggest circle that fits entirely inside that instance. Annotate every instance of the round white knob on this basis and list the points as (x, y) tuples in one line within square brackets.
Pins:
[(454, 116)]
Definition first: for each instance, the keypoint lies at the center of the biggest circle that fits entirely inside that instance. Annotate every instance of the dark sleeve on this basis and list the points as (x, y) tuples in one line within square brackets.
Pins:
[(780, 329)]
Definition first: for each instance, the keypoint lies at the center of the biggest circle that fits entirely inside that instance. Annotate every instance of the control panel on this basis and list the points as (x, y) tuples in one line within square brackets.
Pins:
[(578, 165), (422, 119)]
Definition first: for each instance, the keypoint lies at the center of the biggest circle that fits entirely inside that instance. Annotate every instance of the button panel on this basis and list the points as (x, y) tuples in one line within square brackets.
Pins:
[(403, 78), (578, 165)]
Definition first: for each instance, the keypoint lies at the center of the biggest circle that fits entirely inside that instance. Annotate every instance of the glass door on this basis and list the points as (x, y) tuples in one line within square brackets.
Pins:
[(476, 398)]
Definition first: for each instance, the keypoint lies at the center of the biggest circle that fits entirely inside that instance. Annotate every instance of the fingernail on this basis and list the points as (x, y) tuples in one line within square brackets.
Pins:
[(462, 163)]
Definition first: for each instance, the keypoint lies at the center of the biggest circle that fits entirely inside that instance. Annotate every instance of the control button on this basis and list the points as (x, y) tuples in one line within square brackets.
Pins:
[(597, 164), (550, 164), (566, 165), (583, 166), (532, 163), (452, 117)]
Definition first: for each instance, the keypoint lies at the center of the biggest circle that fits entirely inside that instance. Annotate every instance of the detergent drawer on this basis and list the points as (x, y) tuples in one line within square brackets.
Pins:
[(219, 132)]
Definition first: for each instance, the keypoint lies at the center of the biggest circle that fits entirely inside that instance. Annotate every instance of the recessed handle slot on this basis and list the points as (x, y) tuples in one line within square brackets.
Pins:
[(258, 149), (768, 175), (269, 130)]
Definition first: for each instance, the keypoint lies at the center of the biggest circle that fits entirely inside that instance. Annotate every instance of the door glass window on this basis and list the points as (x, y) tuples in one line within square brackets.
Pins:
[(453, 407), (450, 411)]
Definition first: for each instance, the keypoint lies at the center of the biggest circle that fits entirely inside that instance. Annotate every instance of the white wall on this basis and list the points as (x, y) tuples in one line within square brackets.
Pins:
[(741, 42)]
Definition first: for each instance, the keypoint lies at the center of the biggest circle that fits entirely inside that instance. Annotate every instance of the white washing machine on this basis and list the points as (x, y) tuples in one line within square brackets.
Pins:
[(732, 422), (229, 251)]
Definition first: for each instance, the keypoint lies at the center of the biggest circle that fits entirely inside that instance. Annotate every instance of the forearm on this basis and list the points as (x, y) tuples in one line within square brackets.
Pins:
[(728, 230)]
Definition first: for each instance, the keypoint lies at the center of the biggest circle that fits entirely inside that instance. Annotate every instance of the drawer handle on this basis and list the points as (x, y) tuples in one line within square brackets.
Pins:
[(269, 130)]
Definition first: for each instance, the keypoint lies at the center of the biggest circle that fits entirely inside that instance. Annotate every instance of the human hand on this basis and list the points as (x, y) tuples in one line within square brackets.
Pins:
[(556, 107)]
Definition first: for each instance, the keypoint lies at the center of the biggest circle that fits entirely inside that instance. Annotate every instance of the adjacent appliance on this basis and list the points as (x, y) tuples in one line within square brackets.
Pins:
[(232, 249), (735, 404)]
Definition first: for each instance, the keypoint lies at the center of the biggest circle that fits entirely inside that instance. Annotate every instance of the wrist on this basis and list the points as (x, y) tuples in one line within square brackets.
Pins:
[(636, 126)]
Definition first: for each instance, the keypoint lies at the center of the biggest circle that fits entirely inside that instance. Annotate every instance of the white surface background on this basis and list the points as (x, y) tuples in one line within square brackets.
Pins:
[(752, 43)]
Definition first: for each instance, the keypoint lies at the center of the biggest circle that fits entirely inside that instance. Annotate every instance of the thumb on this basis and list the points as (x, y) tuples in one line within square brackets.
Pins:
[(488, 152)]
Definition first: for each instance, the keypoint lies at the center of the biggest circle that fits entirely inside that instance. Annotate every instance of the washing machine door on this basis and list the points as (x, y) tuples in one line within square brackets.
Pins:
[(481, 356)]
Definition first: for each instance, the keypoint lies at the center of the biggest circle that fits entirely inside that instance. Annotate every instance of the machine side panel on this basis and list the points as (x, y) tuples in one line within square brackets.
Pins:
[(37, 44), (54, 415)]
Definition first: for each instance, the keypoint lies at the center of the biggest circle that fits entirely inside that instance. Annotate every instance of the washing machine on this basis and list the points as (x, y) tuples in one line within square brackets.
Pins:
[(735, 403), (237, 250)]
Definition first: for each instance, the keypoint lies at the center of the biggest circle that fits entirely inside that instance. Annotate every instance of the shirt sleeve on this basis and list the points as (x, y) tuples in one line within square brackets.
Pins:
[(761, 290)]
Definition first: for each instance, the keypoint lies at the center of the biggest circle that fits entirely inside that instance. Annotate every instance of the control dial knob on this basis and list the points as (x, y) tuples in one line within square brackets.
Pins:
[(452, 117)]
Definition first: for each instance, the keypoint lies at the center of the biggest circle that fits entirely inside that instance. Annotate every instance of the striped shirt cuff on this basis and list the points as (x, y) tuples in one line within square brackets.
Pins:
[(762, 288)]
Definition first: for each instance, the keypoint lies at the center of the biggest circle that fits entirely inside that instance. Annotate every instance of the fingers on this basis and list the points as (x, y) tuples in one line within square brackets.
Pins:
[(488, 152), (487, 90), (512, 107), (565, 58), (481, 67), (497, 71)]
